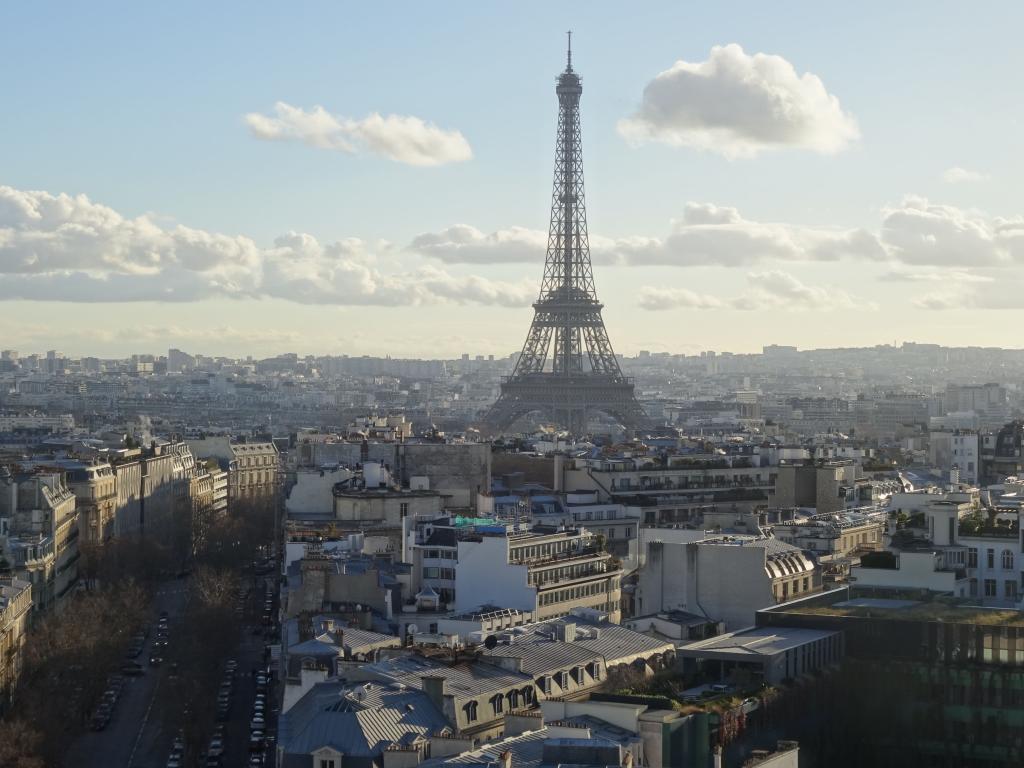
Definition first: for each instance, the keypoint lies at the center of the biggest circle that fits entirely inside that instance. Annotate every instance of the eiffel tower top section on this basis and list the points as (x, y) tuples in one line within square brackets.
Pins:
[(567, 271)]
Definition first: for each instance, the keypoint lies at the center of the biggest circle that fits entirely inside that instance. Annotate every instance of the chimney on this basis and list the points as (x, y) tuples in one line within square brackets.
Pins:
[(567, 631), (435, 686), (627, 760), (505, 760)]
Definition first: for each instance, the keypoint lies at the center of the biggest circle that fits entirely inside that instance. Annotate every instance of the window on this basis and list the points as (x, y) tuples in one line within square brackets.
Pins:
[(326, 764), (1010, 588), (403, 508), (990, 586), (498, 704), (972, 557), (1007, 559), (470, 709), (807, 583), (990, 558)]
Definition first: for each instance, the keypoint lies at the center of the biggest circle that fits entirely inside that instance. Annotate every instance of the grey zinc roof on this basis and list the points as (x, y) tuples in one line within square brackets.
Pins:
[(611, 642), (761, 642), (615, 642), (464, 679), (358, 721), (527, 752), (542, 656)]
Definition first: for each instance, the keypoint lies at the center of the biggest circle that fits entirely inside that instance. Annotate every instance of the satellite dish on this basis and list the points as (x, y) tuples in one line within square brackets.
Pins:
[(490, 642), (412, 629)]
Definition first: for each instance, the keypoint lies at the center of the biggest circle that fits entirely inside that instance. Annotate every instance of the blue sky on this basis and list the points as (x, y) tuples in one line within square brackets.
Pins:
[(142, 108)]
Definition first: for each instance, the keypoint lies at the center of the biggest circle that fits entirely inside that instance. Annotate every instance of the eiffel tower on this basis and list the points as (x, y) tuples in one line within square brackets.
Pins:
[(583, 374)]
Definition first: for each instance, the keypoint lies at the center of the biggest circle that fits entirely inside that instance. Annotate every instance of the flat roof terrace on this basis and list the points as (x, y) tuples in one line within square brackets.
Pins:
[(844, 603)]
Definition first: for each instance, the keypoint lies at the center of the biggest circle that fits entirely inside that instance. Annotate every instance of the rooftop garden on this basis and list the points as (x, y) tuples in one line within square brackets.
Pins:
[(952, 611), (979, 523)]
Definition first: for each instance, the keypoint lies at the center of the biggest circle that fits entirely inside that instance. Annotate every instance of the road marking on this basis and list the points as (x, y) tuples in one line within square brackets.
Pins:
[(145, 719)]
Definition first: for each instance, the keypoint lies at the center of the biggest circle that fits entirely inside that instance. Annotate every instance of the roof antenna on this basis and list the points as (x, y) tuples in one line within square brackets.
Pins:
[(568, 66)]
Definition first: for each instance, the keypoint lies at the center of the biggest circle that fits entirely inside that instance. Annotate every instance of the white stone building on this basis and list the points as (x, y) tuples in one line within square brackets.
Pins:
[(727, 578)]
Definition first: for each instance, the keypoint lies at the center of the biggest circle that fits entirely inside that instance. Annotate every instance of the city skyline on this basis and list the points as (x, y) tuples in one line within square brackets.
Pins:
[(269, 203)]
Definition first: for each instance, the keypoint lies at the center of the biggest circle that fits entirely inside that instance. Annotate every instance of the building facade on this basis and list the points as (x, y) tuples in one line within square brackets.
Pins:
[(727, 578), (546, 571)]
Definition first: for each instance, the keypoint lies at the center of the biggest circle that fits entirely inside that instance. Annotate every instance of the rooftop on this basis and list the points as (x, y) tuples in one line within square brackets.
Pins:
[(756, 642), (905, 608)]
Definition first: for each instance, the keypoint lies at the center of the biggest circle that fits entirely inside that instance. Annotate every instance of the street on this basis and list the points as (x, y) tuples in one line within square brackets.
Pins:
[(133, 738), (136, 736)]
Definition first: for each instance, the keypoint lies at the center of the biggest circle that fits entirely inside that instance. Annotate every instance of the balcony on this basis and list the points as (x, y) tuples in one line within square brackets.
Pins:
[(561, 558), (544, 581)]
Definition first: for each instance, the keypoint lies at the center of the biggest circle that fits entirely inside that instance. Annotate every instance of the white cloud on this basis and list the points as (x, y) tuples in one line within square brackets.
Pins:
[(739, 105), (63, 248), (780, 290), (676, 298), (958, 175), (705, 235), (402, 138), (463, 244), (934, 276), (718, 236), (920, 232), (771, 290)]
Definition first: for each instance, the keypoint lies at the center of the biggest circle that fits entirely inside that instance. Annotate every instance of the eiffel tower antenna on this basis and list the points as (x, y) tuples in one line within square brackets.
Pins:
[(567, 367)]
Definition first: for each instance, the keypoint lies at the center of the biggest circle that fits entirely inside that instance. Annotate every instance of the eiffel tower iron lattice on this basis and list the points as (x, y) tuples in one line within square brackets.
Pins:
[(581, 373)]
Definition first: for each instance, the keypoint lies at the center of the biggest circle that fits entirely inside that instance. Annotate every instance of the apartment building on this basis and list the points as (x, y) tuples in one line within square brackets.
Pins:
[(956, 450), (39, 530), (15, 608), (95, 489), (728, 578), (671, 488), (254, 469), (976, 549), (837, 534), (544, 570)]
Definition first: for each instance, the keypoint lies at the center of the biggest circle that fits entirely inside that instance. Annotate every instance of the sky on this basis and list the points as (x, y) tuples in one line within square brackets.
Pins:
[(356, 178)]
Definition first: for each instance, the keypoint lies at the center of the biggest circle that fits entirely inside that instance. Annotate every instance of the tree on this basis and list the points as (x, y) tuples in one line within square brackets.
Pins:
[(20, 745)]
